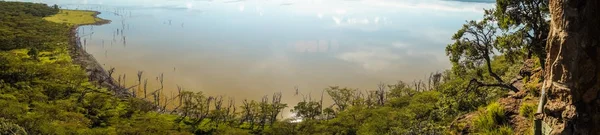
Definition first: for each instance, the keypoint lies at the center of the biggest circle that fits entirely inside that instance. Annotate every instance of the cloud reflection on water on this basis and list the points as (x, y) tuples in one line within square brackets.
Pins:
[(254, 47)]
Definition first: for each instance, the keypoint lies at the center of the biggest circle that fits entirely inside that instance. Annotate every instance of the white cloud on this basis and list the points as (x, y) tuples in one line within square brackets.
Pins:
[(371, 59), (340, 11), (427, 5), (337, 20), (241, 8), (189, 5), (400, 45)]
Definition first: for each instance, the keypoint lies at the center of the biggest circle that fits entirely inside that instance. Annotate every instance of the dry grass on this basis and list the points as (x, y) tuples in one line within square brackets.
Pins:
[(74, 17)]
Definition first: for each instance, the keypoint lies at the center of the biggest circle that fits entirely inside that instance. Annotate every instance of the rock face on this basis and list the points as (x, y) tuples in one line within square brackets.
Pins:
[(572, 73)]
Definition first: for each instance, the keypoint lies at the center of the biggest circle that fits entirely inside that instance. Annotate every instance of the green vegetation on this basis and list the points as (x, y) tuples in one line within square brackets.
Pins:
[(74, 17), (527, 110), (490, 120), (43, 92)]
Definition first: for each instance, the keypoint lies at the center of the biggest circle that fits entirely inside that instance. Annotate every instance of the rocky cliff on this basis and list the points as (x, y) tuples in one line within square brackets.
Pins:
[(572, 75)]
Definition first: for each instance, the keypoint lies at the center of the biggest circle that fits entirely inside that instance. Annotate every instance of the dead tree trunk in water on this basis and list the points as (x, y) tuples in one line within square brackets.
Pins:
[(572, 73), (145, 88), (139, 75)]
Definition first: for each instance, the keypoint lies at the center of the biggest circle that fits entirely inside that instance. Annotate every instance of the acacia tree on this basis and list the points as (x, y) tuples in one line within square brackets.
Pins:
[(307, 109), (474, 46), (342, 97), (527, 21)]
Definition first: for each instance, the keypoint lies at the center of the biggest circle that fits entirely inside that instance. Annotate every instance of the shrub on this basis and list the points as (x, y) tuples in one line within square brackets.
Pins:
[(527, 110), (490, 121)]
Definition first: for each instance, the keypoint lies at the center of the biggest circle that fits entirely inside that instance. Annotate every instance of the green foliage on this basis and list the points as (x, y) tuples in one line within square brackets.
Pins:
[(21, 26), (503, 130), (74, 17), (307, 109), (527, 110), (43, 92), (285, 127), (228, 130), (533, 86), (342, 97), (526, 21), (9, 128), (34, 9), (491, 120)]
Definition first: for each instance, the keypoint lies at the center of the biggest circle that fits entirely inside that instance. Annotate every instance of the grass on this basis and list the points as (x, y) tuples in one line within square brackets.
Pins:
[(74, 17), (527, 110), (491, 121)]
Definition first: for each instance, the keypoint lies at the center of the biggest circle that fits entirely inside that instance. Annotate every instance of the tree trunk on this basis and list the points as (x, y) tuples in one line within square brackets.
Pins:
[(572, 73)]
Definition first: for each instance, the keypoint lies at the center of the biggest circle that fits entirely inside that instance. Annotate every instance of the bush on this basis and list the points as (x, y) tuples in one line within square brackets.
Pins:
[(8, 128), (533, 87), (527, 110), (491, 120), (504, 130)]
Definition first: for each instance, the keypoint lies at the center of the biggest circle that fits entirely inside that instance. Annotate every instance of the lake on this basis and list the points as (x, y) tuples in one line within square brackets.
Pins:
[(246, 49)]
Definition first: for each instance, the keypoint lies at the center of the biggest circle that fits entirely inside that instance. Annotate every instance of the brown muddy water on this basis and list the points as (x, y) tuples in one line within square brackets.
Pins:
[(249, 49)]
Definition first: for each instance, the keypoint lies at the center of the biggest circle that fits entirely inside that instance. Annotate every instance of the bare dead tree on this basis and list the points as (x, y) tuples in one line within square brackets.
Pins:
[(155, 97), (358, 95), (124, 80), (371, 96), (166, 102), (218, 113), (218, 102), (178, 96), (321, 100), (119, 81), (246, 111), (296, 88), (179, 89), (145, 88), (139, 76), (436, 78), (429, 80), (162, 79), (380, 93), (230, 111), (204, 109), (159, 91)]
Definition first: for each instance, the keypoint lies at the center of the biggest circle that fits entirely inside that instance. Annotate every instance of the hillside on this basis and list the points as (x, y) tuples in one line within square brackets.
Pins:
[(43, 92)]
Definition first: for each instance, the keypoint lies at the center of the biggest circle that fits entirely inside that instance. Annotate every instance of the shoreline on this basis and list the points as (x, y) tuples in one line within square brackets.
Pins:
[(95, 72)]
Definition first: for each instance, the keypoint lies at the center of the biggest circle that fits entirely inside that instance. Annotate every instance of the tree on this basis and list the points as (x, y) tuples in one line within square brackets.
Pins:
[(196, 107), (572, 70), (526, 19), (342, 97), (33, 53), (307, 110), (473, 47)]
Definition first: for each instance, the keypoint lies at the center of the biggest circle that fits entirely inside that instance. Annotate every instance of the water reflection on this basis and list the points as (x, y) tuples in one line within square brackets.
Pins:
[(247, 49)]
